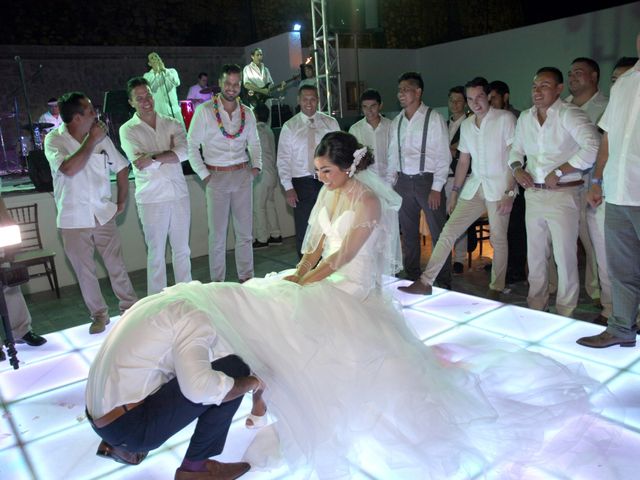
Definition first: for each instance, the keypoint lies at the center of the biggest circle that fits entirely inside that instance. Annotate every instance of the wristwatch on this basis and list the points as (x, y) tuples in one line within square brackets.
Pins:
[(558, 172), (511, 193), (596, 181)]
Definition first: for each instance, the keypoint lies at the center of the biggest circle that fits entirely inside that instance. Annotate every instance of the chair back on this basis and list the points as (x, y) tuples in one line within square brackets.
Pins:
[(26, 217)]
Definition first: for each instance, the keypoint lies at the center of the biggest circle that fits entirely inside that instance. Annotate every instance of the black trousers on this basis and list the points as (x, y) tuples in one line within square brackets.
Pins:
[(307, 190), (167, 411), (517, 239), (414, 190)]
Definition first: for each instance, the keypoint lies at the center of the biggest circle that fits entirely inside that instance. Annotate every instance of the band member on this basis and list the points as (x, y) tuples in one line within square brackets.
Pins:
[(156, 145), (224, 151), (257, 79), (163, 83), (201, 91), (52, 115)]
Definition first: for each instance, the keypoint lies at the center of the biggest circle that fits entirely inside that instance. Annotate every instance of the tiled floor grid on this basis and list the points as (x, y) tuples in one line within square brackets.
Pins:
[(44, 434)]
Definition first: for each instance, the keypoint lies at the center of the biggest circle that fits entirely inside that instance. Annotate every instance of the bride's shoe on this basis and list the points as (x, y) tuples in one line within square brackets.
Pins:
[(256, 421)]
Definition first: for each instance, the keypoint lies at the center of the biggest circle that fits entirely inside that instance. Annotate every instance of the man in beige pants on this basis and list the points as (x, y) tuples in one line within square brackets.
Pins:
[(486, 136)]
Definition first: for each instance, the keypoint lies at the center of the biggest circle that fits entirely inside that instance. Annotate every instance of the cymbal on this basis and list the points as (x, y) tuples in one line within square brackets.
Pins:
[(41, 126)]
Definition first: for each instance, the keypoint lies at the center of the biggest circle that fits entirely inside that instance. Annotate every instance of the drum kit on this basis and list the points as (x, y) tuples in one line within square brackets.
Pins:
[(18, 141)]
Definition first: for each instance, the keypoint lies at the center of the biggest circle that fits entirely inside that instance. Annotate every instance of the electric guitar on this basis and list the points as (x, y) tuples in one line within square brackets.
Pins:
[(254, 97)]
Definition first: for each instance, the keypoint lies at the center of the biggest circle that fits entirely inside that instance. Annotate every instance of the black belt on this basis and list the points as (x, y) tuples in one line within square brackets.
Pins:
[(544, 186), (415, 175)]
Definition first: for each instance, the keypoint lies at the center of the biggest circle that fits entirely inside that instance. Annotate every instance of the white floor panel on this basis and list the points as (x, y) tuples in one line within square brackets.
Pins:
[(44, 399)]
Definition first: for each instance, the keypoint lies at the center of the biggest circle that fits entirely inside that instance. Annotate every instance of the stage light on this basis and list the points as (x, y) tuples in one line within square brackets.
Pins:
[(297, 27), (9, 235)]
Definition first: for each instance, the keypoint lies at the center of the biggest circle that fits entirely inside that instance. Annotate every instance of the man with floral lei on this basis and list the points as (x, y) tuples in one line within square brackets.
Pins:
[(224, 151)]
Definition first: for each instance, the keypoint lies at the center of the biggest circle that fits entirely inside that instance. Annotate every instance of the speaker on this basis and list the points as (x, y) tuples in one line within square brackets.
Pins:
[(353, 16), (39, 171)]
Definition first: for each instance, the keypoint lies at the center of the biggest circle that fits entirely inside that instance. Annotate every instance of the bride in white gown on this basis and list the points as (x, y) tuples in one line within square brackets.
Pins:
[(345, 375)]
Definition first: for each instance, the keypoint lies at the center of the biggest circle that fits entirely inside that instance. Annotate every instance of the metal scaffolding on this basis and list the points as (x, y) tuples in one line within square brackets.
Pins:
[(327, 61)]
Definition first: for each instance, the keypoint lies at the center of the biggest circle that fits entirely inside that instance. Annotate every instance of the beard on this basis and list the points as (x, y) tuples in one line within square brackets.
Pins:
[(230, 98)]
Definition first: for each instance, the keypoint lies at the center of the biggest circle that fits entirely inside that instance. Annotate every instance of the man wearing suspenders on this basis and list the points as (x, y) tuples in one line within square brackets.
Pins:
[(419, 152)]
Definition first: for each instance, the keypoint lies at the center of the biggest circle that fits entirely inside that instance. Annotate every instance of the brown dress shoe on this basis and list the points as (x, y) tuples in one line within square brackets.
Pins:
[(604, 340), (216, 471), (120, 455), (417, 288)]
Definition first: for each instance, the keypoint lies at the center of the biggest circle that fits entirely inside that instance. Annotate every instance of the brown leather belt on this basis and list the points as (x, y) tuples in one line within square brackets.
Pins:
[(544, 186), (227, 168), (115, 414)]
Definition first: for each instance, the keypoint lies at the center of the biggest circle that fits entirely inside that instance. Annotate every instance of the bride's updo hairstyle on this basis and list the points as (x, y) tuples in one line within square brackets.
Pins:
[(339, 148)]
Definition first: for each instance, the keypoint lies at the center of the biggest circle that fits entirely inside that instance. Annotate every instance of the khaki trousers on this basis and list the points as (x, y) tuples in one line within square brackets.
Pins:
[(552, 219), (462, 217)]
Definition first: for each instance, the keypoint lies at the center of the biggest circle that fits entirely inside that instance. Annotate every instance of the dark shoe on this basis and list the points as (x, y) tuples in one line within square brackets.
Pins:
[(216, 471), (242, 280), (445, 285), (275, 241), (3, 357), (458, 268), (494, 294), (258, 245), (120, 455), (417, 288), (32, 339), (515, 277), (99, 323), (604, 340), (600, 320)]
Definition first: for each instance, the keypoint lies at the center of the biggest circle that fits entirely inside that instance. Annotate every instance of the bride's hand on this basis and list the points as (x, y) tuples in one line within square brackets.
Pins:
[(292, 278)]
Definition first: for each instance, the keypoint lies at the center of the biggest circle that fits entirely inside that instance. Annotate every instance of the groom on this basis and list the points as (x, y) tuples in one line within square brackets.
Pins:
[(153, 376)]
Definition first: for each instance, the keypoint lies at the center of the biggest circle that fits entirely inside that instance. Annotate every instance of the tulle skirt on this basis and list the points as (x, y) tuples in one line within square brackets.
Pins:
[(348, 380)]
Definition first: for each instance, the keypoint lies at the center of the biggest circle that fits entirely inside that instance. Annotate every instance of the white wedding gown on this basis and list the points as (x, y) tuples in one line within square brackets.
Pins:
[(347, 377)]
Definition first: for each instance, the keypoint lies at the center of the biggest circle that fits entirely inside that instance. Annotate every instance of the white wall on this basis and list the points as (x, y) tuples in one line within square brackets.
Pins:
[(512, 56)]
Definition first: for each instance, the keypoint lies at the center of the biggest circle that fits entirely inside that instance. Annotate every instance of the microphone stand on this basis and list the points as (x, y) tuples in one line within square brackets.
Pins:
[(166, 91)]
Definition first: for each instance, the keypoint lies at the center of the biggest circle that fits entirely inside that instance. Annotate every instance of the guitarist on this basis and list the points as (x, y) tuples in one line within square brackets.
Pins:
[(257, 81)]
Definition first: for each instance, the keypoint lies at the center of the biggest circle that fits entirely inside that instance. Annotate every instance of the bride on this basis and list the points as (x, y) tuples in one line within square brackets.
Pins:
[(346, 377)]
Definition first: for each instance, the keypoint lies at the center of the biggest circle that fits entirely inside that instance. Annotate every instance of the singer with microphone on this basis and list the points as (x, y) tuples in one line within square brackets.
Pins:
[(82, 157), (163, 83)]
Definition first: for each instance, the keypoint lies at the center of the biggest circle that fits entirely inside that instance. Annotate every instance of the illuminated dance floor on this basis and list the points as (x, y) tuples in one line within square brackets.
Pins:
[(44, 434)]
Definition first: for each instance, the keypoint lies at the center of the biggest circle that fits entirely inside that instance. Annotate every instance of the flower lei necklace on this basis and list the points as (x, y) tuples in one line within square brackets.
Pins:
[(243, 117)]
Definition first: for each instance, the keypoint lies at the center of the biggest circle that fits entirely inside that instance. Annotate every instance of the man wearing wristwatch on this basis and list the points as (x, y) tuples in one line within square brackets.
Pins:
[(485, 136), (156, 145), (560, 142)]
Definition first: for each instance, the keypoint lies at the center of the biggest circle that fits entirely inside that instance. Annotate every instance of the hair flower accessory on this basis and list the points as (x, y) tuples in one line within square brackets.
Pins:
[(357, 156)]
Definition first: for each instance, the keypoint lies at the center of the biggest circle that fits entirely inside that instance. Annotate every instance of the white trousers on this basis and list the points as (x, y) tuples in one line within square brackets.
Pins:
[(160, 221), (265, 217), (19, 316), (552, 219)]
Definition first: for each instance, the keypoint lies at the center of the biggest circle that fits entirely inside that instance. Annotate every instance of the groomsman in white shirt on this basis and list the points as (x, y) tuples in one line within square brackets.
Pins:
[(615, 181), (224, 151), (419, 152), (560, 142), (156, 145), (485, 136), (374, 131), (298, 140), (82, 157)]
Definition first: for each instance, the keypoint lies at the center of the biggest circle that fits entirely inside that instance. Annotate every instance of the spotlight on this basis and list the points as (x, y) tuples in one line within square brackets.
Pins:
[(297, 27)]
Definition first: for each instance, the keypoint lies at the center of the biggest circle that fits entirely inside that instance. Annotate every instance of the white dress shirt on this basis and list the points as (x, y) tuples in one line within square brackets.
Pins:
[(293, 152), (268, 146), (437, 153), (488, 145), (159, 182), (85, 196), (377, 140), (194, 94), (163, 87), (567, 135), (47, 117), (153, 343), (216, 148), (258, 75), (454, 125), (620, 121), (594, 107)]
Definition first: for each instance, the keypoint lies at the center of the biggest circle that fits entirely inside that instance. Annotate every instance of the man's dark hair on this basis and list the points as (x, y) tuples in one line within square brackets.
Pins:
[(371, 94), (478, 82), (500, 87), (553, 71), (70, 105), (412, 77), (229, 68), (626, 62), (313, 88), (135, 82), (458, 89), (202, 74), (52, 99), (253, 52), (592, 64), (262, 112)]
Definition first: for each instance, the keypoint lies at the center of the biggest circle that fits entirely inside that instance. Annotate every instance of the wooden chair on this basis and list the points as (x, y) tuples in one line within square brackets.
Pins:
[(30, 252), (479, 229)]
